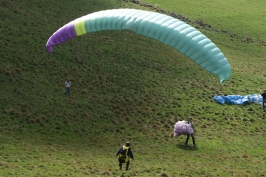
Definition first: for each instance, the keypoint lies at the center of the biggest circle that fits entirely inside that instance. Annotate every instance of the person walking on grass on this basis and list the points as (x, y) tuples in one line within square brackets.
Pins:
[(192, 135), (263, 100), (124, 153), (67, 84)]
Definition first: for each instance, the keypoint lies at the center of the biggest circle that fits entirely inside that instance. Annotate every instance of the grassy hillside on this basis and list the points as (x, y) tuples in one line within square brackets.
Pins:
[(125, 87), (241, 17)]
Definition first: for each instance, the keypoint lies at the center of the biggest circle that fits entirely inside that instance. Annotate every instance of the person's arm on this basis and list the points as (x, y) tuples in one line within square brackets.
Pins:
[(118, 151), (130, 153)]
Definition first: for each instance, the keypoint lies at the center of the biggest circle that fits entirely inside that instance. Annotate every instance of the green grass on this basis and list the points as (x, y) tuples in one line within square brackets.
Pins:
[(241, 17), (127, 88)]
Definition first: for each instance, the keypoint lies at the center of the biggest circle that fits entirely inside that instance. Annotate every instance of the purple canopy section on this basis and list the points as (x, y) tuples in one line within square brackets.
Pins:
[(61, 35)]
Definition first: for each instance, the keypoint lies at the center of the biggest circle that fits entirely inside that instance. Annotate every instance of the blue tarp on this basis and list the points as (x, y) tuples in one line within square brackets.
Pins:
[(238, 99)]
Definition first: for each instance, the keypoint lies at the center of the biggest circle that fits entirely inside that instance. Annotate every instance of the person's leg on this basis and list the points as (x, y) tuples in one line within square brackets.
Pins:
[(187, 139), (193, 139), (127, 165), (120, 165), (263, 104), (67, 91)]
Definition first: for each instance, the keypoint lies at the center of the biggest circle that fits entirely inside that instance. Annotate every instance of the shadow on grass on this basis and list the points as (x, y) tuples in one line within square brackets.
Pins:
[(187, 147)]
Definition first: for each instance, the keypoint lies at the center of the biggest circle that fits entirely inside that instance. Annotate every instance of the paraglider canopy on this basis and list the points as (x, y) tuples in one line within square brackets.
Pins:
[(166, 29), (238, 99), (182, 128)]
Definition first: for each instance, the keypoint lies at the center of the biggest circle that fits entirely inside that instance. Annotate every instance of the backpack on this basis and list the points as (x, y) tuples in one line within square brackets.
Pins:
[(123, 157)]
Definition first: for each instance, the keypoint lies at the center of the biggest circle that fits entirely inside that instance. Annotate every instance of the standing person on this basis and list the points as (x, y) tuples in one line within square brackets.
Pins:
[(192, 135), (123, 155), (67, 83), (263, 99)]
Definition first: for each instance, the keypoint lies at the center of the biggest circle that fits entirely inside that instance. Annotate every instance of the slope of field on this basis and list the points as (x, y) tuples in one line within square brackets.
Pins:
[(125, 87)]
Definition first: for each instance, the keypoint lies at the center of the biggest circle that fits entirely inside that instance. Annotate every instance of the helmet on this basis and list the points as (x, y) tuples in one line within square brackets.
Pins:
[(128, 144)]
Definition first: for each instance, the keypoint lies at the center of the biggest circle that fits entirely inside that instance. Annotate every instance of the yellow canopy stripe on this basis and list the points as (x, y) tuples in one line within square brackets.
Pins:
[(80, 27)]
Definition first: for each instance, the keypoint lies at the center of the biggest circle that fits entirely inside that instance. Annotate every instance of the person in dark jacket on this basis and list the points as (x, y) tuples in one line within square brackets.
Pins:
[(124, 153), (263, 100), (192, 135)]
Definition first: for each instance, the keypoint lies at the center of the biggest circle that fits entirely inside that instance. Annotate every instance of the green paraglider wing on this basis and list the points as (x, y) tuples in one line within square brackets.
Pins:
[(163, 28)]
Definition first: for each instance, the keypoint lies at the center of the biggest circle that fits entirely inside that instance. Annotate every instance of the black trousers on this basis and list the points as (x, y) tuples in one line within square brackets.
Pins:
[(67, 91), (263, 104), (188, 136), (127, 164)]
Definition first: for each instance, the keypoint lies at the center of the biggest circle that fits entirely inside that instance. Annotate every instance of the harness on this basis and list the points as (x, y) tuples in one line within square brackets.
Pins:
[(123, 157)]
